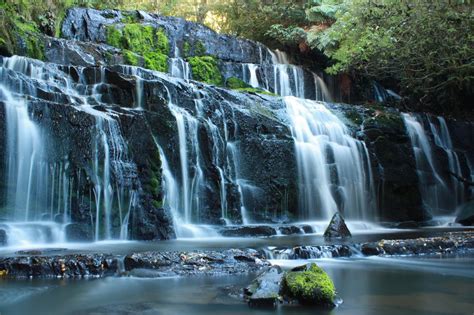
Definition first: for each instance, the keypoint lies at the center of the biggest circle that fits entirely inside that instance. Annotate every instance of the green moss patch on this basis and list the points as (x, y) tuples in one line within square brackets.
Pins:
[(236, 83), (255, 90), (141, 40), (239, 85), (19, 35), (205, 69), (311, 286)]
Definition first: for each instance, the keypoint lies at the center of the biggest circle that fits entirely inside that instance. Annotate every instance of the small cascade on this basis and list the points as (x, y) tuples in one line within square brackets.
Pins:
[(138, 97), (334, 171), (178, 67), (288, 79), (251, 77), (439, 195), (28, 233), (321, 90)]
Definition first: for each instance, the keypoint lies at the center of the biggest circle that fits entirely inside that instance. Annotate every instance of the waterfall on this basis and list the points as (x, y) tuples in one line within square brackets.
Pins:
[(138, 97), (321, 90), (333, 168), (40, 189), (24, 150), (439, 196), (442, 139), (178, 67), (252, 78)]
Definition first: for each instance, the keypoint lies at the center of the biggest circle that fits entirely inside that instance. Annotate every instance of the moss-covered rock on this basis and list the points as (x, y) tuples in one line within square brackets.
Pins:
[(205, 69), (309, 284), (141, 40)]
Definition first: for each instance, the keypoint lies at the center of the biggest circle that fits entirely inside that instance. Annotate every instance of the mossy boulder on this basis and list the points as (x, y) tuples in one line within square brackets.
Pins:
[(309, 285), (205, 69)]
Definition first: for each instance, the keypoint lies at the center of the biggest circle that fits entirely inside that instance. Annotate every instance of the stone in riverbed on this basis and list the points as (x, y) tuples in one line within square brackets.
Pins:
[(337, 228), (309, 285), (265, 289), (466, 213)]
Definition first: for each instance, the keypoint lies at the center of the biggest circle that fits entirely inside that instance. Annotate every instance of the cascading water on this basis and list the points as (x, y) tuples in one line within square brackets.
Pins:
[(437, 193), (43, 190), (442, 139), (333, 168)]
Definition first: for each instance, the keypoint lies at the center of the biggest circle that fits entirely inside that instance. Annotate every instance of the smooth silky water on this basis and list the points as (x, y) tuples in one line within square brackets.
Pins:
[(367, 286)]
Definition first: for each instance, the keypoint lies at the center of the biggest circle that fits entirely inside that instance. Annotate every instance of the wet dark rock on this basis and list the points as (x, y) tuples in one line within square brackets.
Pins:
[(370, 249), (79, 232), (308, 229), (3, 238), (337, 228), (264, 291), (290, 230), (466, 213), (248, 231), (451, 242), (67, 266), (42, 264), (233, 261)]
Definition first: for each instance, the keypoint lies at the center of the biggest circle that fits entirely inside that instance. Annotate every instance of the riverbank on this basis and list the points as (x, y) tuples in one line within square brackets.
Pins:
[(47, 263)]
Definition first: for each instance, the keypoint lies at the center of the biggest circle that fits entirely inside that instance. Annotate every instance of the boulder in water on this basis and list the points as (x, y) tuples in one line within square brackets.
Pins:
[(265, 289), (337, 228), (309, 285), (466, 213)]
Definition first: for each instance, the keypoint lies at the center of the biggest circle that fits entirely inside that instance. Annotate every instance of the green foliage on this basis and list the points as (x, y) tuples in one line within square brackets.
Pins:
[(291, 35), (312, 286), (425, 47), (323, 11), (205, 69)]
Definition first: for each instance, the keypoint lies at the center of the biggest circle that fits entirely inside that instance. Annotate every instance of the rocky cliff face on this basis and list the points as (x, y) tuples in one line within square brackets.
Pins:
[(135, 153)]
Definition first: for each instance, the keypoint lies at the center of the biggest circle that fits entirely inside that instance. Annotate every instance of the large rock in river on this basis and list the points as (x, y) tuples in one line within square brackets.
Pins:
[(337, 228)]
